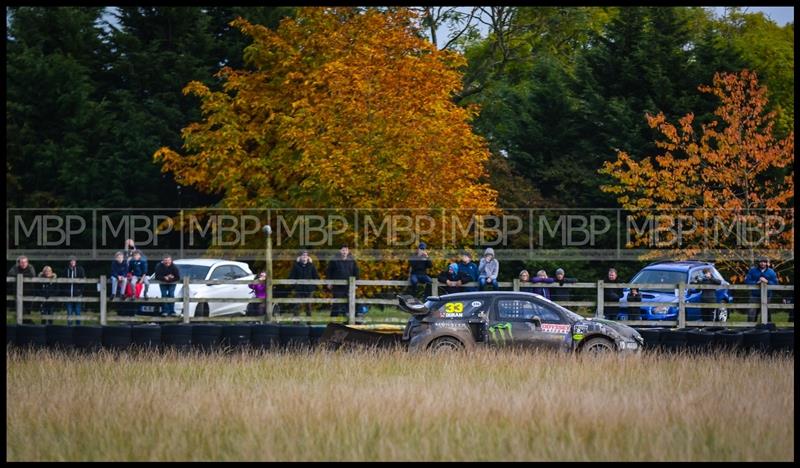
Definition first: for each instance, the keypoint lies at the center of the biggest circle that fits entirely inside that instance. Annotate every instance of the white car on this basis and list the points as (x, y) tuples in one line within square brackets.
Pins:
[(209, 269)]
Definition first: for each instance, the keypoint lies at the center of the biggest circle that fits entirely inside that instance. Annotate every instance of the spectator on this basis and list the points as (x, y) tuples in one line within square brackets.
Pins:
[(707, 296), (561, 294), (418, 269), (611, 295), (634, 312), (28, 271), (137, 267), (757, 275), (525, 281), (46, 290), (119, 276), (541, 277), (304, 269), (451, 279), (130, 249), (488, 269), (167, 274), (260, 291), (468, 271), (341, 268), (74, 270)]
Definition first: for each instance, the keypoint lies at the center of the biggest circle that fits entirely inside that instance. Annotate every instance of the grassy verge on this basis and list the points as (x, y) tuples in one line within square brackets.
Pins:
[(390, 405)]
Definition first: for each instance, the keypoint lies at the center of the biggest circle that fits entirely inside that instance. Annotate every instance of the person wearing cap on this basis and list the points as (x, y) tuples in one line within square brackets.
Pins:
[(418, 266), (468, 271), (761, 273), (304, 269), (488, 269), (341, 267), (560, 293), (73, 270)]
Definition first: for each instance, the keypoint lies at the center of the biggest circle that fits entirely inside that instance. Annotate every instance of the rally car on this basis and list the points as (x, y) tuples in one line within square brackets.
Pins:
[(505, 318)]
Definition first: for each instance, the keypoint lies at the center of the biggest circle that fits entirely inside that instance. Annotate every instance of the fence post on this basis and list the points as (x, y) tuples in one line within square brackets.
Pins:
[(185, 293), (764, 309), (103, 299), (19, 299), (434, 286), (516, 284), (681, 305), (351, 299), (599, 313)]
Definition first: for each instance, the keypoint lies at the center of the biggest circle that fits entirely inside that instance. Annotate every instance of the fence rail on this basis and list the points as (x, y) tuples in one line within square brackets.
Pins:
[(351, 300)]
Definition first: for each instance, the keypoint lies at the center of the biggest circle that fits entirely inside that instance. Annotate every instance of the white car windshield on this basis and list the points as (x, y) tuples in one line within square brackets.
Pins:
[(192, 271)]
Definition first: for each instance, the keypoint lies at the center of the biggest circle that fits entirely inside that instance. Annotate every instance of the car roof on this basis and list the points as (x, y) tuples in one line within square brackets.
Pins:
[(209, 262), (469, 295), (678, 265)]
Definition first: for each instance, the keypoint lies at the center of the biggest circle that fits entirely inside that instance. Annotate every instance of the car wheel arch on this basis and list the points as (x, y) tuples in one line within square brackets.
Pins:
[(586, 339)]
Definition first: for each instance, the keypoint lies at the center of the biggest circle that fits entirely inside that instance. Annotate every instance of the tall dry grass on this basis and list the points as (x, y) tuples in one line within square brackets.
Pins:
[(390, 405)]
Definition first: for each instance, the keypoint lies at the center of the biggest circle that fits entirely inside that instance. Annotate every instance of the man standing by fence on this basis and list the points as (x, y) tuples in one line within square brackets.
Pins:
[(418, 266), (167, 274), (304, 269), (757, 275), (341, 268), (74, 270), (27, 271), (611, 296)]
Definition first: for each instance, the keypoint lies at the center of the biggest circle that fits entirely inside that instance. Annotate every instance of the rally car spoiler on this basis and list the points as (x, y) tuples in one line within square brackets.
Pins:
[(412, 305)]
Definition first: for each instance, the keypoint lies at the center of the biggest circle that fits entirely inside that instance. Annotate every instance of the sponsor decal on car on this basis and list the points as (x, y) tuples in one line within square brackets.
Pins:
[(476, 303), (577, 336), (555, 328), (451, 325), (499, 329), (453, 309)]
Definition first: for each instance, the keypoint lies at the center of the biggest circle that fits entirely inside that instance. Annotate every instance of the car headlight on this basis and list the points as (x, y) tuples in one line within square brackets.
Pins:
[(660, 309), (631, 345)]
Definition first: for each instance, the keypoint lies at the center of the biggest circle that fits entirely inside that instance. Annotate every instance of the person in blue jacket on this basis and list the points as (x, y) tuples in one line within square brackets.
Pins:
[(759, 274), (137, 267), (119, 276), (468, 270)]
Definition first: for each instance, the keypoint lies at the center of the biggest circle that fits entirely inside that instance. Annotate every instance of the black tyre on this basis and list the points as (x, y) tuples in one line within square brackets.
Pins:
[(176, 336), (674, 341), (117, 337), (728, 340), (295, 336), (236, 336), (60, 337), (781, 341), (598, 345), (756, 341), (652, 337), (31, 336), (88, 337), (265, 336), (765, 326), (446, 344), (146, 336), (206, 336), (201, 310), (315, 333), (11, 334), (699, 340)]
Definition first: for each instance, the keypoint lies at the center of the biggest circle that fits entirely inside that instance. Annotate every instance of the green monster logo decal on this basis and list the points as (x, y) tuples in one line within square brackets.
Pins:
[(499, 329)]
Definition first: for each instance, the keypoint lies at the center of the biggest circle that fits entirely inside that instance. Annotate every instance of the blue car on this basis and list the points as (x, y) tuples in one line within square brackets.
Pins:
[(672, 273)]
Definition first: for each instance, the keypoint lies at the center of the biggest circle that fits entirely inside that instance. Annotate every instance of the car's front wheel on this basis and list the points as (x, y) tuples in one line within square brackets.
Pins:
[(201, 310), (446, 344), (597, 346)]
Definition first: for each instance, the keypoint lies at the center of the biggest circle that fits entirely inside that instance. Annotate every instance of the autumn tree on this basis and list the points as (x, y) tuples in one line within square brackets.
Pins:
[(339, 108), (733, 173)]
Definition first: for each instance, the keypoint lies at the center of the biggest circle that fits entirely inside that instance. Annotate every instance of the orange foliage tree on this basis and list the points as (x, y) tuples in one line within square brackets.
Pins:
[(733, 180), (339, 107)]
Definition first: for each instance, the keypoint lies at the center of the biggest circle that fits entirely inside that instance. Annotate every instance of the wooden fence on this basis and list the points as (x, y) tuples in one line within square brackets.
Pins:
[(352, 300)]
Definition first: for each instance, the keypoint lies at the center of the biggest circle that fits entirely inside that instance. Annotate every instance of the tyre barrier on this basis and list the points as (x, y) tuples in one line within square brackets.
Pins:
[(756, 340), (673, 341), (699, 340), (236, 336), (728, 340), (31, 336), (315, 332), (11, 334), (206, 336), (295, 336), (176, 336), (60, 337), (117, 337), (87, 337), (146, 336), (265, 336), (652, 337), (782, 341)]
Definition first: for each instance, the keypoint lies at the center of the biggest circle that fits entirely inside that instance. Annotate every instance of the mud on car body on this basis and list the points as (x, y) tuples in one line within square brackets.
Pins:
[(508, 319)]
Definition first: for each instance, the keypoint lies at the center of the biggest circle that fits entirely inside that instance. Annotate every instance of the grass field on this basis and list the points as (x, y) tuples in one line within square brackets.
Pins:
[(390, 405)]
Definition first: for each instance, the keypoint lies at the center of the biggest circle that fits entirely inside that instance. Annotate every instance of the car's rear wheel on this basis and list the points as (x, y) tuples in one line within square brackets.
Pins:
[(202, 310), (597, 346), (446, 344)]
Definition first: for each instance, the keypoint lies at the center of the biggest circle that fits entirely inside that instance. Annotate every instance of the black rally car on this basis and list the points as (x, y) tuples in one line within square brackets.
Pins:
[(505, 318)]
